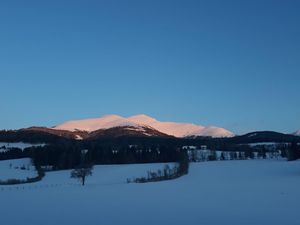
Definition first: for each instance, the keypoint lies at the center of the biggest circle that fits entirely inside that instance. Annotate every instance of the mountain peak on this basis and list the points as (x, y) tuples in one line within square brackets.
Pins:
[(142, 120), (111, 116)]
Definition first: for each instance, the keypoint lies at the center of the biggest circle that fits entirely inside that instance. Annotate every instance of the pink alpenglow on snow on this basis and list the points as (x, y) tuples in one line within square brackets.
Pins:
[(170, 128)]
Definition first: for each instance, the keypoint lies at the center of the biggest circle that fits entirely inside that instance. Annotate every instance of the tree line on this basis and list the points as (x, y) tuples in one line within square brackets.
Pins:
[(67, 155)]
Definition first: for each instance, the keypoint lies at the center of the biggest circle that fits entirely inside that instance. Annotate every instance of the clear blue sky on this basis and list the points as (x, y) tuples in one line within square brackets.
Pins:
[(234, 64)]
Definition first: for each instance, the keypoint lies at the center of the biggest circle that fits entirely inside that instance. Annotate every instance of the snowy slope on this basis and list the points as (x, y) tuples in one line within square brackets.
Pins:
[(17, 169), (170, 128), (180, 129), (297, 133), (107, 121), (246, 192)]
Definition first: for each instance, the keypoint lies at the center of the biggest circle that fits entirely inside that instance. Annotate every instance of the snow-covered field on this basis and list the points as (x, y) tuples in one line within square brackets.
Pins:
[(17, 169), (251, 192)]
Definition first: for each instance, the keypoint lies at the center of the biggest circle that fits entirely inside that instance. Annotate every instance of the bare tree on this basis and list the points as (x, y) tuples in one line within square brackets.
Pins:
[(81, 174), (84, 170)]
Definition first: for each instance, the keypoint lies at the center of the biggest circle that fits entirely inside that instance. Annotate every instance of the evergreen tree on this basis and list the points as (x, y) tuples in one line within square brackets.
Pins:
[(292, 153)]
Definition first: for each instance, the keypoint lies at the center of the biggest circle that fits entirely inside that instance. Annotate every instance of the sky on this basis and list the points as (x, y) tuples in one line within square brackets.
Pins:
[(233, 64)]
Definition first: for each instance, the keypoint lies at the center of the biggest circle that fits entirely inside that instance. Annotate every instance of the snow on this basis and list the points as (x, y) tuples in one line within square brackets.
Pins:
[(5, 146), (90, 125), (266, 144), (213, 132), (78, 137), (221, 192), (170, 128), (17, 169), (252, 135), (297, 133), (142, 119)]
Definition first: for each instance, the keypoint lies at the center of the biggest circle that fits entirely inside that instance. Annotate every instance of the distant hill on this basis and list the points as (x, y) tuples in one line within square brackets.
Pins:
[(264, 136), (297, 133)]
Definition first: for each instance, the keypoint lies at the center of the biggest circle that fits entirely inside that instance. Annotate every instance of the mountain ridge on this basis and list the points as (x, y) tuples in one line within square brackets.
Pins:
[(170, 128)]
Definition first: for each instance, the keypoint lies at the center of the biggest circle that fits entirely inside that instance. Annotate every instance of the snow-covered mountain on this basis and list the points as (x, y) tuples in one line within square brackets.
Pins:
[(170, 128), (105, 122), (297, 133)]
